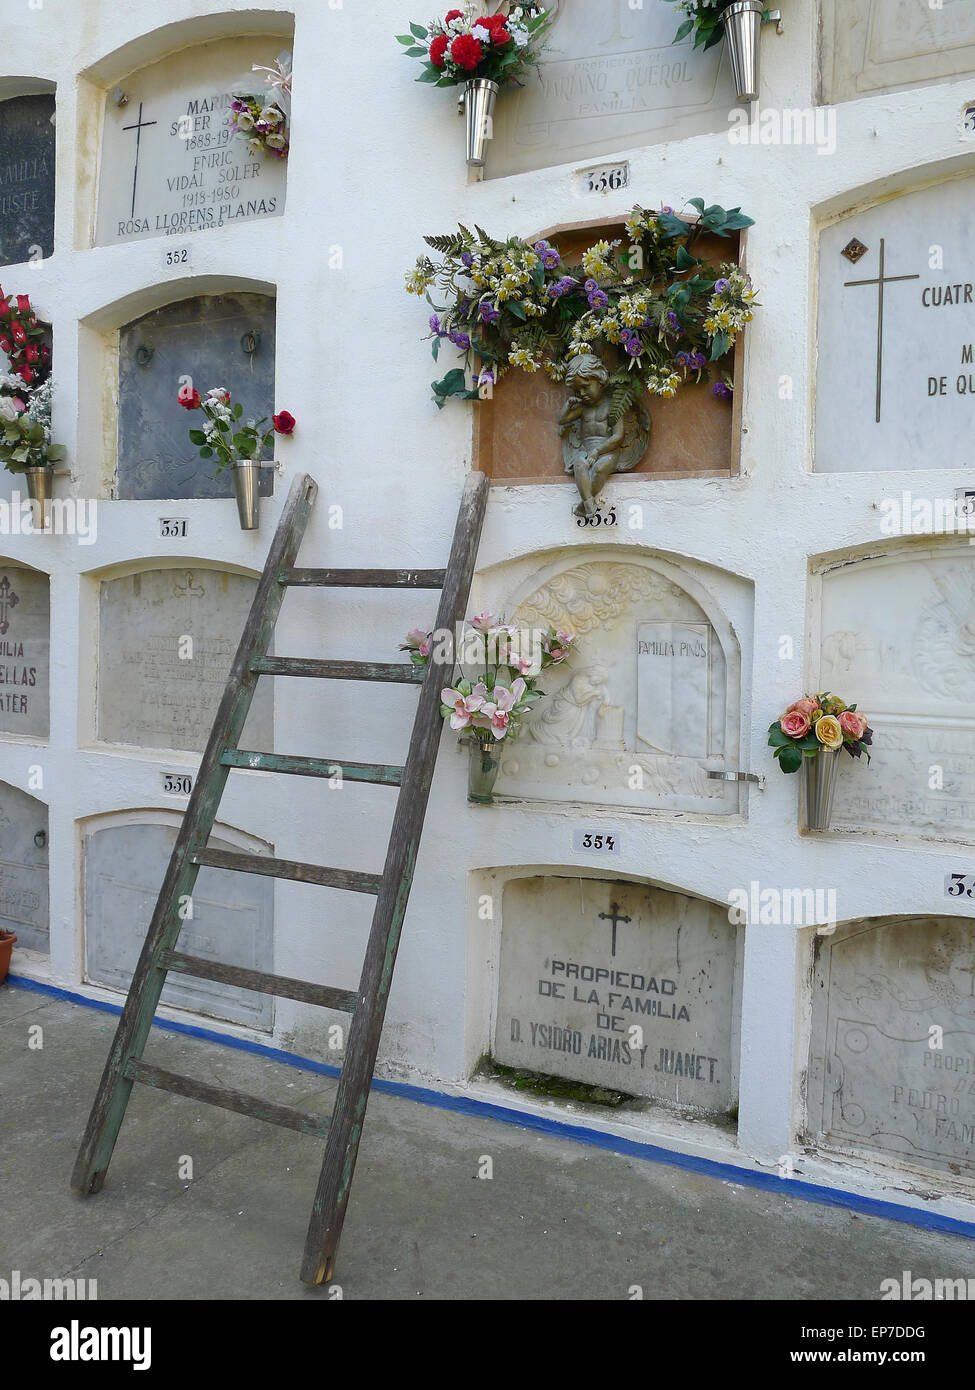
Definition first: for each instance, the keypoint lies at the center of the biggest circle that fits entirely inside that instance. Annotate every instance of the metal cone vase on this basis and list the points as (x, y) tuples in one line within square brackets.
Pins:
[(819, 783), (39, 490), (742, 28), (247, 476), (479, 97)]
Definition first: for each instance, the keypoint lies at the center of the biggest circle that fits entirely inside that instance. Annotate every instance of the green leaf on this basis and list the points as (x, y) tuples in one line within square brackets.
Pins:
[(684, 260), (418, 31), (435, 348), (518, 310), (790, 759), (197, 437), (206, 452), (684, 30), (238, 411), (697, 203), (404, 38), (719, 346), (416, 52), (430, 74), (778, 739), (56, 452)]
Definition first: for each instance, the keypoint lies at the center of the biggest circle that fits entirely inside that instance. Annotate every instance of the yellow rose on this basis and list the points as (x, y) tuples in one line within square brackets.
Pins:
[(828, 731)]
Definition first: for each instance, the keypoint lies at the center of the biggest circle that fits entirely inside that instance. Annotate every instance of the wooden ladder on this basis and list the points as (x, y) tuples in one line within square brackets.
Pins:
[(392, 887)]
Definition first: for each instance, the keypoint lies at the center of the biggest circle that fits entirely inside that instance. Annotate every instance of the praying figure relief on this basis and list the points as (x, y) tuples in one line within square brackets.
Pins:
[(594, 446)]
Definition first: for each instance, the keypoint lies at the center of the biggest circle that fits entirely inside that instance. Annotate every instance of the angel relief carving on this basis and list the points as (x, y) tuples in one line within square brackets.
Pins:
[(944, 641)]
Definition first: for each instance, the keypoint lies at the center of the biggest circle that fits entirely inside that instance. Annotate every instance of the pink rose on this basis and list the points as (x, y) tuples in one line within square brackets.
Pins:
[(805, 706), (795, 723), (854, 725)]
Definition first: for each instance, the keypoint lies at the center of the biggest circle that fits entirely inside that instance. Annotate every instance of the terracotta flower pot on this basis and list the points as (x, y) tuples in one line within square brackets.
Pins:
[(7, 940)]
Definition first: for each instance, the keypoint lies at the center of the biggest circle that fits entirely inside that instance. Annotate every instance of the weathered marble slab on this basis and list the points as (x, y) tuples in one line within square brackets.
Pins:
[(619, 725), (148, 693), (26, 178), (895, 377), (611, 78), (892, 1065), (233, 920), (25, 651), (872, 46), (573, 986), (23, 867), (169, 163), (898, 638)]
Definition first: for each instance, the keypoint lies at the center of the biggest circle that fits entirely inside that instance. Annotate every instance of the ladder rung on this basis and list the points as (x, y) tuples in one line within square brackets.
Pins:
[(365, 579), (288, 868), (280, 985), (227, 1099), (387, 776), (337, 670)]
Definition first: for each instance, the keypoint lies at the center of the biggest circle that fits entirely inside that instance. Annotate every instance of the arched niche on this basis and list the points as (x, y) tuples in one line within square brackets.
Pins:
[(225, 339), (24, 868), (651, 701), (27, 167), (895, 382), (897, 638), (582, 962), (25, 651), (166, 639), (892, 1056), (125, 859)]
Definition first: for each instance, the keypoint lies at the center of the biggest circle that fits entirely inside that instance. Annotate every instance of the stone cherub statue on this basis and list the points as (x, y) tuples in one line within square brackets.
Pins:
[(594, 449)]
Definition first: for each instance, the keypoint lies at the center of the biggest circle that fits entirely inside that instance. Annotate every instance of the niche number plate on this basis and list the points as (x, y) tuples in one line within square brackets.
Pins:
[(172, 527), (596, 841), (177, 783)]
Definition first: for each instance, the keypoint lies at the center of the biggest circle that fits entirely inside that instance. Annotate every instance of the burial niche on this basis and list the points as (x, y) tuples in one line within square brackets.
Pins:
[(874, 46), (23, 868), (895, 380), (892, 1062), (620, 985), (26, 178), (166, 640), (232, 921), (650, 702), (25, 647), (611, 78), (898, 637), (216, 340), (170, 164)]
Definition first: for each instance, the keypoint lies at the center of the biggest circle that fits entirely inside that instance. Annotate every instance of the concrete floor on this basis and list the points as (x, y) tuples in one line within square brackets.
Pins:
[(558, 1220)]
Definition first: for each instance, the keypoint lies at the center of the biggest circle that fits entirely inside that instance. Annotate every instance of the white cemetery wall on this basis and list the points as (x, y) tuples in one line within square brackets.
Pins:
[(875, 46), (892, 1063), (374, 166)]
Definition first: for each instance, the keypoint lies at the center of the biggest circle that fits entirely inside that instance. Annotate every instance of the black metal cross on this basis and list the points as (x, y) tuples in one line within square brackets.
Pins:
[(613, 915), (881, 282), (8, 600), (138, 127)]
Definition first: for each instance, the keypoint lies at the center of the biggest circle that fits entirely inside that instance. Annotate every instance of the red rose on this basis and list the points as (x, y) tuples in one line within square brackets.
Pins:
[(31, 353), (466, 51), (23, 303), (438, 50), (18, 334), (453, 14), (6, 346), (4, 308), (188, 397), (45, 352), (284, 423), (25, 374)]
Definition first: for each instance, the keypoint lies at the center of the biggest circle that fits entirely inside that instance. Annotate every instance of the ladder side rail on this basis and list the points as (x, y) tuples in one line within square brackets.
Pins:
[(108, 1108), (332, 1195)]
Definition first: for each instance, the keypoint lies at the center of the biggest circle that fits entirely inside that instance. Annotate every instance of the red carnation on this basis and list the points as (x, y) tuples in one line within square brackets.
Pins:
[(453, 14), (6, 346), (188, 397), (31, 353), (4, 308), (283, 423), (466, 51), (18, 334), (25, 374), (23, 303), (45, 352), (496, 27), (438, 50)]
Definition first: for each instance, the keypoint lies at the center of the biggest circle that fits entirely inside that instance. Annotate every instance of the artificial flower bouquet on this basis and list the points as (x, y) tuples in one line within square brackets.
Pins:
[(507, 663), (223, 436), (23, 340), (25, 426), (465, 45), (815, 723), (665, 313), (263, 120)]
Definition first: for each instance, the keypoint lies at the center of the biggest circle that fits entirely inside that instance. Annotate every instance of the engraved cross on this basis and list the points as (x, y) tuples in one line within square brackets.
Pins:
[(8, 600), (138, 127), (613, 915), (882, 281)]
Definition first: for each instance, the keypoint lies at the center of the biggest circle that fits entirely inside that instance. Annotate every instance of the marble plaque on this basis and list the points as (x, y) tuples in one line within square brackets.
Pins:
[(880, 1079), (200, 338), (166, 641), (25, 645), (611, 78), (898, 638), (26, 178), (169, 163), (620, 725), (233, 917), (585, 962), (23, 867), (872, 46), (895, 379)]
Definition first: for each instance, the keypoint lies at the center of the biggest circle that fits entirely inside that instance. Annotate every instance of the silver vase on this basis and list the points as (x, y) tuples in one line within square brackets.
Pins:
[(819, 783), (39, 490), (480, 95), (742, 28), (247, 477)]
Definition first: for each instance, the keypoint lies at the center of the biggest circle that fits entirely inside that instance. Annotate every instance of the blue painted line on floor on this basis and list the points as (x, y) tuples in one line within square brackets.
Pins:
[(597, 1139)]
